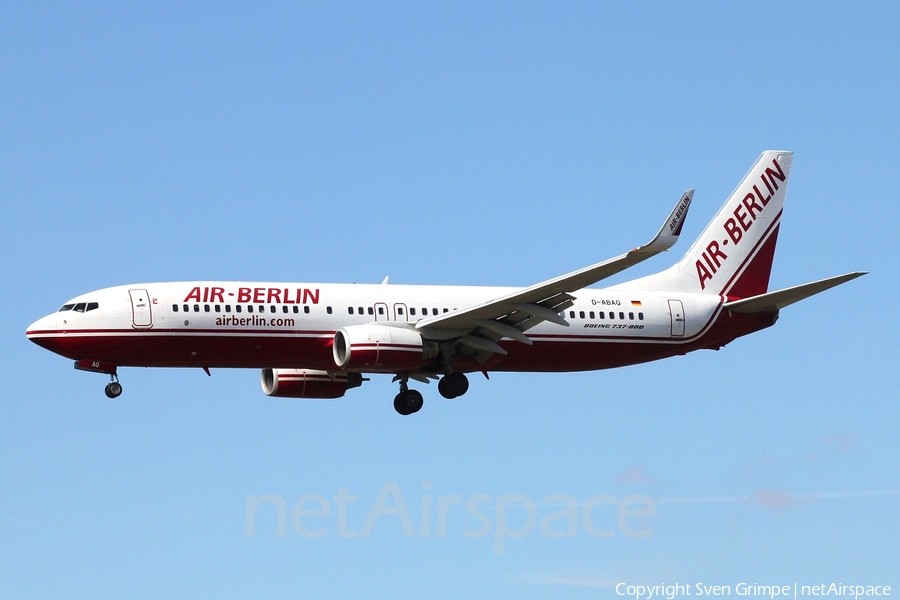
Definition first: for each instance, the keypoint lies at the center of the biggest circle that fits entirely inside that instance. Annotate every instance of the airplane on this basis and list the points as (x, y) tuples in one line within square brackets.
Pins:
[(318, 340)]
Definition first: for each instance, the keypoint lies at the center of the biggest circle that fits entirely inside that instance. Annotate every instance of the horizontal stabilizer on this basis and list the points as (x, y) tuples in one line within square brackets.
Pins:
[(774, 301)]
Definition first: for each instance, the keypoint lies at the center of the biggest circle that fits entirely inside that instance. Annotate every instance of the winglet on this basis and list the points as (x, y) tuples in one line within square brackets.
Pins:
[(671, 229)]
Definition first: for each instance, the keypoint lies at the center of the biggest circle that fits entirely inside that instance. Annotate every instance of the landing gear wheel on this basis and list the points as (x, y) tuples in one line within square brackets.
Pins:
[(408, 402), (453, 385), (414, 401), (400, 405), (113, 390)]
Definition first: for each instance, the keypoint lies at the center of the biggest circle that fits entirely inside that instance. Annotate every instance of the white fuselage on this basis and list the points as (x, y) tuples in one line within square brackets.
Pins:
[(292, 325)]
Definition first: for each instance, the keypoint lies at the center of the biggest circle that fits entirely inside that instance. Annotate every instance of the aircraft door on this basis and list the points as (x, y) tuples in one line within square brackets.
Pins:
[(676, 312), (381, 312), (140, 308), (400, 313)]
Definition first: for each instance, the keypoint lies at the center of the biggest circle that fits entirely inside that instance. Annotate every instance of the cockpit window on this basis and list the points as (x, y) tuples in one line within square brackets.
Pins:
[(80, 307)]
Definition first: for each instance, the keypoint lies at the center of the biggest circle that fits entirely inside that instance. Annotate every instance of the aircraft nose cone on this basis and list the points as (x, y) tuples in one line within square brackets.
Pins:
[(41, 329)]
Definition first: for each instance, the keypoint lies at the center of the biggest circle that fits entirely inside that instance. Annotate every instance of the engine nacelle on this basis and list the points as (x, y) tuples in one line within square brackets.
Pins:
[(306, 383), (381, 349)]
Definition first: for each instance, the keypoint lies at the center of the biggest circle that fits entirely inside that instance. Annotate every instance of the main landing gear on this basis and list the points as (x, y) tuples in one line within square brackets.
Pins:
[(410, 401), (113, 388), (453, 385), (407, 401)]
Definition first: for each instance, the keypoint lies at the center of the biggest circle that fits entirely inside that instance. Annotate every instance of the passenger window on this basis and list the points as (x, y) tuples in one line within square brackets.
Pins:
[(306, 309), (399, 311), (237, 308), (228, 308), (370, 311), (79, 307), (328, 310), (249, 308), (206, 308), (174, 308), (350, 309), (186, 308), (380, 310), (412, 312), (640, 316), (622, 315), (66, 307), (296, 309), (612, 315), (217, 308), (196, 308), (592, 314), (571, 314), (361, 311), (92, 306), (446, 310), (581, 314), (284, 308), (434, 311), (631, 316), (601, 314)]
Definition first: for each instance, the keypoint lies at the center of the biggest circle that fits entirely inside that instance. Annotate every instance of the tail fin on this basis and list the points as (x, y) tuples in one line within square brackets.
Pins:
[(733, 256)]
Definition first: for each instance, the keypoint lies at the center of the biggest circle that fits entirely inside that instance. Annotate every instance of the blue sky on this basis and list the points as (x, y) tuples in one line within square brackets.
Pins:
[(463, 143)]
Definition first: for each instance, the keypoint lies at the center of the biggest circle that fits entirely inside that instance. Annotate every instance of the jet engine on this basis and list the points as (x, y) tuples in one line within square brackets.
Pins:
[(306, 383), (381, 349)]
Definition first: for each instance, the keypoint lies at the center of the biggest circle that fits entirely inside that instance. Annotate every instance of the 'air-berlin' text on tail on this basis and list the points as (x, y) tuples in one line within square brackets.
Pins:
[(733, 256)]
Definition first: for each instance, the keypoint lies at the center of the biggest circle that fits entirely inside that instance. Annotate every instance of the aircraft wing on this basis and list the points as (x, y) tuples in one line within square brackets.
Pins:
[(480, 326), (773, 301)]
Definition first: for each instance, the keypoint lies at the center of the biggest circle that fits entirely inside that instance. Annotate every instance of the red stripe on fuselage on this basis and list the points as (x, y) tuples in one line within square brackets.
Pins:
[(562, 356), (176, 331), (154, 349), (313, 349)]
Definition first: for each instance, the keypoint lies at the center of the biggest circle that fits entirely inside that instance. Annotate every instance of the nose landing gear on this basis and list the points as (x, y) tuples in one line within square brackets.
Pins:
[(113, 388)]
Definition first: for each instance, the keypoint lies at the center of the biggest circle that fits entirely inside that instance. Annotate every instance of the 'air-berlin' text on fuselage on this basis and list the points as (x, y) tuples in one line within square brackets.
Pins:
[(745, 214), (255, 295)]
